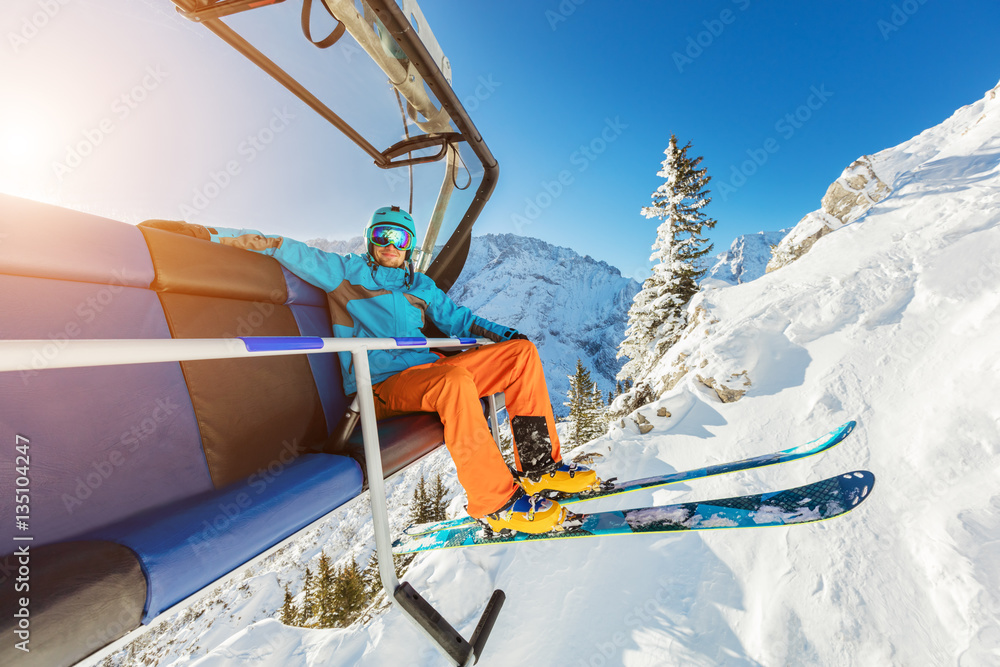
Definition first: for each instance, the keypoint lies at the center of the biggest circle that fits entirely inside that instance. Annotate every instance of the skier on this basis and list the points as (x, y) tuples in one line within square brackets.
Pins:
[(379, 295)]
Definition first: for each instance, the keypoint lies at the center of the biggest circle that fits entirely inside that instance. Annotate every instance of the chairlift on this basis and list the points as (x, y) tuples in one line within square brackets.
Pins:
[(144, 431)]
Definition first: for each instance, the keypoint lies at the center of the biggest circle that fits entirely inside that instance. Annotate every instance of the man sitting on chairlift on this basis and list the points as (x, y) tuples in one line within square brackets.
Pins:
[(379, 295)]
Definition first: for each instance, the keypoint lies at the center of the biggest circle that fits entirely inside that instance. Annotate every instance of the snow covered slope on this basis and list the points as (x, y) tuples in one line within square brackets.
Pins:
[(870, 178), (891, 320), (746, 258)]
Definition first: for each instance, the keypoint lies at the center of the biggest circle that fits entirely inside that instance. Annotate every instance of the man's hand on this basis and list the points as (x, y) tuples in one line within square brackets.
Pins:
[(177, 227), (514, 334)]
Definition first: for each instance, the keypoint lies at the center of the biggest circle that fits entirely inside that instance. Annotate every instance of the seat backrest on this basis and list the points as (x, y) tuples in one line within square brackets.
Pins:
[(109, 442)]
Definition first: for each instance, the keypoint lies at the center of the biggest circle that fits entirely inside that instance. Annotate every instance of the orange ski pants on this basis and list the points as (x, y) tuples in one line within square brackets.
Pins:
[(452, 387)]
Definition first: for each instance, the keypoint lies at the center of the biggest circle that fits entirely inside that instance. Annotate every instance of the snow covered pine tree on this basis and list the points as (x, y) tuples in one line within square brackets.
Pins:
[(657, 315), (586, 407)]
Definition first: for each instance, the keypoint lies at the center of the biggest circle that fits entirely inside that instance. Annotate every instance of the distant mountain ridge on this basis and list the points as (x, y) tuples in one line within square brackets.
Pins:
[(571, 306), (355, 245)]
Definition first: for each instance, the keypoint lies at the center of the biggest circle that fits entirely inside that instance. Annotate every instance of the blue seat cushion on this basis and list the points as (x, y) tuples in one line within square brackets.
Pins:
[(187, 545)]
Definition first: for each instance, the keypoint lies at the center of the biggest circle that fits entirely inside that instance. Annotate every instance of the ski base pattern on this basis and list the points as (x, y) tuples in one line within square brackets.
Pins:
[(805, 504), (612, 488)]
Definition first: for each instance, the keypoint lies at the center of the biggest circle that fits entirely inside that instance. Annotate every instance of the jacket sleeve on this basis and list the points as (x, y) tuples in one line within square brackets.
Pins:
[(456, 320), (325, 270)]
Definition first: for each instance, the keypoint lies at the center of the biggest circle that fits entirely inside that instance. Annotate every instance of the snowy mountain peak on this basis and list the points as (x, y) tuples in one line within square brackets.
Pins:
[(354, 245), (746, 258)]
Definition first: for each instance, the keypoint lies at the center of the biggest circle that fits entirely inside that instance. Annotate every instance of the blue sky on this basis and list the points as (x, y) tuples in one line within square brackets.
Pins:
[(577, 99), (722, 75)]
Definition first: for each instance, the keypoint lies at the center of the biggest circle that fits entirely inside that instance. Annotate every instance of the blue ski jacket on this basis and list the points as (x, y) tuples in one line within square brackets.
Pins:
[(369, 300)]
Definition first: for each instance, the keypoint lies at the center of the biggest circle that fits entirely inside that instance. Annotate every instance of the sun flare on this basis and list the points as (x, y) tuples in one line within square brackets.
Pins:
[(19, 143)]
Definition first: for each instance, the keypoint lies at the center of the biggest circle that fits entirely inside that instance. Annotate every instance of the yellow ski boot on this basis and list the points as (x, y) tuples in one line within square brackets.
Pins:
[(569, 479), (526, 514)]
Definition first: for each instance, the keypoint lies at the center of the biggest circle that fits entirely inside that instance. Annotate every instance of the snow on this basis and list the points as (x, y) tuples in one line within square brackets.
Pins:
[(891, 320)]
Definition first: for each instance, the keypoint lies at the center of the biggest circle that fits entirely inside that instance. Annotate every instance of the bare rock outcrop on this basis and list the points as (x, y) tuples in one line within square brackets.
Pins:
[(847, 199)]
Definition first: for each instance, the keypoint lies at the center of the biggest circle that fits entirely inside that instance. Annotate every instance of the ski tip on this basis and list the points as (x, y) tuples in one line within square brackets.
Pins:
[(840, 433), (857, 485)]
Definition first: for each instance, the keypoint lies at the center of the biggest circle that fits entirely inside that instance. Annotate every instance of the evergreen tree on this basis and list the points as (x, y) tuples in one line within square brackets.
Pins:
[(373, 580), (308, 598), (289, 613), (325, 601), (418, 506), (599, 410), (349, 595), (371, 577), (586, 407), (429, 502), (578, 399), (437, 499), (657, 315)]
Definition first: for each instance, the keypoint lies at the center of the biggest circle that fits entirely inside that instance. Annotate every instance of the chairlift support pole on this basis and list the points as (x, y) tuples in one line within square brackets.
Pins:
[(434, 626), (455, 250), (494, 421)]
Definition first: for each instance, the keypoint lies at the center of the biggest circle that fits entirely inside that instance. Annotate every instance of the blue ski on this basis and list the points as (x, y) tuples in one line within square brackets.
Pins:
[(612, 488), (805, 504)]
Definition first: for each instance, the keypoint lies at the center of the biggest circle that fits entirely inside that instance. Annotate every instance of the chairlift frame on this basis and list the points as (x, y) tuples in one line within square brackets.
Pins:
[(444, 269)]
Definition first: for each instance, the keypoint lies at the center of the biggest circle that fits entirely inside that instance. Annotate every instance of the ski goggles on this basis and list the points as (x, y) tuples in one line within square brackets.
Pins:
[(386, 235)]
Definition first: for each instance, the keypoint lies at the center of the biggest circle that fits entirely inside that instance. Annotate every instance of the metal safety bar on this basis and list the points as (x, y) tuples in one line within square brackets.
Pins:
[(38, 355), (35, 355), (437, 629), (492, 402)]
